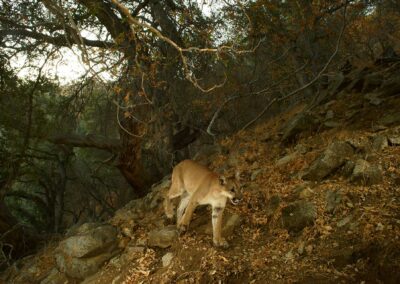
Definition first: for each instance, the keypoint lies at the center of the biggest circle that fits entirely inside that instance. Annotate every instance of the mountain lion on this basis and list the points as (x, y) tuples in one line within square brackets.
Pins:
[(197, 185)]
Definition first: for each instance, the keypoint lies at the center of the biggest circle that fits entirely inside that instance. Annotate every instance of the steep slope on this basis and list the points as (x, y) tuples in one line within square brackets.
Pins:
[(321, 205)]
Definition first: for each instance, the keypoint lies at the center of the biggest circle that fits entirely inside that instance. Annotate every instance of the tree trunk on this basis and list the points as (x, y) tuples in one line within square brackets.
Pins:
[(16, 241)]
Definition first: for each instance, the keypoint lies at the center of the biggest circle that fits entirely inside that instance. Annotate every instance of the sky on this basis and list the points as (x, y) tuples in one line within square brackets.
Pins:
[(69, 67)]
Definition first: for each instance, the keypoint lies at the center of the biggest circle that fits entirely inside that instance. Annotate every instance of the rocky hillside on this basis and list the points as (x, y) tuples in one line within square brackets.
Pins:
[(321, 204)]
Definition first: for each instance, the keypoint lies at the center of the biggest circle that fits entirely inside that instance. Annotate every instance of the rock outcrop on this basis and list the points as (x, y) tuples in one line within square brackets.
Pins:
[(334, 156), (81, 255), (298, 215)]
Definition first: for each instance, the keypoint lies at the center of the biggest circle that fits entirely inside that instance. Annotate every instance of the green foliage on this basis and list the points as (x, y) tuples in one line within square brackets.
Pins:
[(35, 173)]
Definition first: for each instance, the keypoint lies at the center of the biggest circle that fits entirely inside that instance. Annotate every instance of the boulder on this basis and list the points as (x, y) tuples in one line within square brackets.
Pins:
[(373, 99), (300, 123), (163, 237), (361, 143), (301, 149), (82, 255), (390, 118), (81, 268), (298, 215), (391, 86), (329, 115), (54, 277), (80, 228), (372, 81), (167, 259), (255, 174), (348, 168), (232, 222), (336, 83), (394, 140), (334, 156), (365, 173), (332, 124), (91, 242), (286, 159), (379, 142)]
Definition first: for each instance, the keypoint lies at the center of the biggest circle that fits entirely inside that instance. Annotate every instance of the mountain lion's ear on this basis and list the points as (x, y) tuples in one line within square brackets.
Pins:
[(237, 175), (222, 180)]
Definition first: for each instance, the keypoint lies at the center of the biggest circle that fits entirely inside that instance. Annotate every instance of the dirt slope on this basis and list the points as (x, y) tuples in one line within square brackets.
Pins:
[(342, 228)]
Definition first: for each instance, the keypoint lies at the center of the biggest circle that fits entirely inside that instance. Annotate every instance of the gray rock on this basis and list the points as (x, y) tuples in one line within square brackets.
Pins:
[(298, 215), (303, 191), (301, 149), (91, 242), (300, 248), (81, 228), (167, 259), (344, 221), (372, 81), (299, 123), (394, 140), (378, 127), (254, 174), (55, 277), (335, 83), (332, 124), (390, 86), (287, 159), (390, 118), (334, 156), (365, 173), (127, 256), (373, 99), (131, 212), (155, 202), (359, 143), (333, 199), (349, 114), (348, 168), (380, 142), (232, 222), (163, 238), (329, 104), (82, 255), (376, 101), (329, 115), (81, 268)]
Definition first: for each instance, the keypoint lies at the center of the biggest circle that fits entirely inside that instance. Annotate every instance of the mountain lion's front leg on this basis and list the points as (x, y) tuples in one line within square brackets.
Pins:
[(218, 241)]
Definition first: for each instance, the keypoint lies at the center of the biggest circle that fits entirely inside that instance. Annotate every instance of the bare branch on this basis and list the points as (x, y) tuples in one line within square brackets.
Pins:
[(308, 84), (87, 141), (263, 91), (123, 128), (181, 51), (56, 40)]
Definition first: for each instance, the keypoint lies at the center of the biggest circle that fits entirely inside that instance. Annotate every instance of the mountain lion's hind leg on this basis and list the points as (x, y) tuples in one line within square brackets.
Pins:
[(174, 191), (187, 216), (185, 197)]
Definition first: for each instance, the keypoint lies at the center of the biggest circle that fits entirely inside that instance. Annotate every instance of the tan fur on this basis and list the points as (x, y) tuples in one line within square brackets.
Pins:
[(197, 185)]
